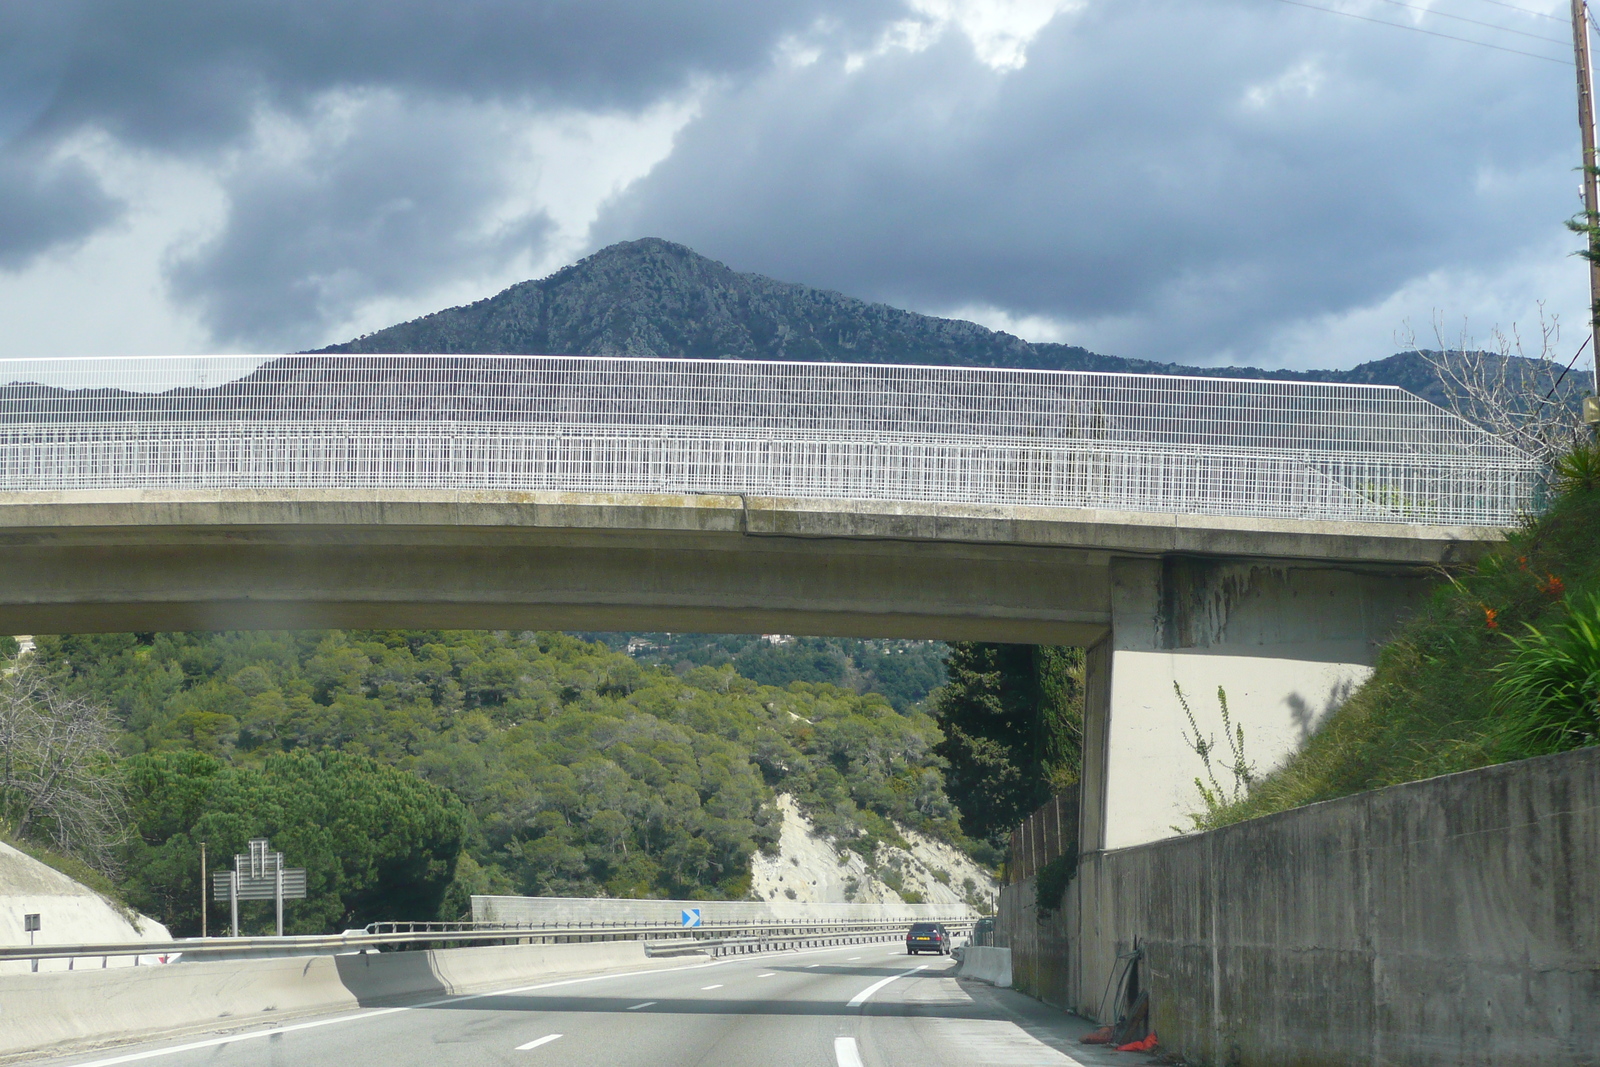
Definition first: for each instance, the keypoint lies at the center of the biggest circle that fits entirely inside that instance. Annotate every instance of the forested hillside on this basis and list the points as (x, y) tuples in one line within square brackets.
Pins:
[(575, 769), (903, 671)]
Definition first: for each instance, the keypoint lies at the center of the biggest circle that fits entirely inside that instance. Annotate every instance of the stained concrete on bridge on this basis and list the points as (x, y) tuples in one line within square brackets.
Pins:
[(1285, 614)]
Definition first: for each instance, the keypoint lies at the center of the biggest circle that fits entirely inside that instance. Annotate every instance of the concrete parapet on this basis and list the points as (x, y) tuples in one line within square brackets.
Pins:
[(63, 1010)]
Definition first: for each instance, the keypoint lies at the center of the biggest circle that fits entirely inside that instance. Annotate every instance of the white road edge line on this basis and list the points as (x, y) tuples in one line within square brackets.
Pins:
[(866, 994), (769, 974), (646, 1004), (844, 1050), (704, 988), (148, 1054), (545, 1040)]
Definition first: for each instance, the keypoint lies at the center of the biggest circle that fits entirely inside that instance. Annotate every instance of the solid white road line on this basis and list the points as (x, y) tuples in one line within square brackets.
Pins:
[(769, 974), (851, 959), (706, 987), (845, 1051), (545, 1040), (646, 1004), (866, 994)]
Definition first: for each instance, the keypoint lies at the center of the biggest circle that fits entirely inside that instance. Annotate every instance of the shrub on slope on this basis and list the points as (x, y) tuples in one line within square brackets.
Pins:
[(1458, 687)]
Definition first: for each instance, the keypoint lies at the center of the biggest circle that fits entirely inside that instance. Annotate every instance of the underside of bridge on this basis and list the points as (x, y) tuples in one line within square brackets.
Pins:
[(1284, 615)]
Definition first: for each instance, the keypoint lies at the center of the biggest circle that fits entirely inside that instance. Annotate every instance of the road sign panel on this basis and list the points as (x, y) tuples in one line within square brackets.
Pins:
[(294, 886), (691, 917)]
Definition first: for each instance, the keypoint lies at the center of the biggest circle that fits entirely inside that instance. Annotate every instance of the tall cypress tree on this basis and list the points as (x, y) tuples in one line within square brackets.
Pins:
[(1012, 719)]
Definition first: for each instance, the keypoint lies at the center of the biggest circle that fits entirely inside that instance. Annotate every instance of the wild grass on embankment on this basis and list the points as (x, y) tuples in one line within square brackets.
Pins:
[(1431, 707), (71, 866)]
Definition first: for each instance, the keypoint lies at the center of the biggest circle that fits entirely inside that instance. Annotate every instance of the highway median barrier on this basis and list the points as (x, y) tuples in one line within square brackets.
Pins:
[(64, 1011)]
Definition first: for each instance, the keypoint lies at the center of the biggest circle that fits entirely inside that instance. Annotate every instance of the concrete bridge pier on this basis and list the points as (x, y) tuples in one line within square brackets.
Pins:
[(1287, 641)]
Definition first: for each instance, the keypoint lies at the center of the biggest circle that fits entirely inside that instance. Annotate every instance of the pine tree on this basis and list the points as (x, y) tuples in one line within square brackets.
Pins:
[(1012, 719)]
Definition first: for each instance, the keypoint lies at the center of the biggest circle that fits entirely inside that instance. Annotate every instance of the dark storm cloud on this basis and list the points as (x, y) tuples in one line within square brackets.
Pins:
[(184, 73), (1209, 171), (377, 213), (45, 204), (192, 76)]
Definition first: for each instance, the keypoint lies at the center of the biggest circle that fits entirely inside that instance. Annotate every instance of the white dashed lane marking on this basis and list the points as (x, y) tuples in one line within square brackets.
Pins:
[(545, 1040)]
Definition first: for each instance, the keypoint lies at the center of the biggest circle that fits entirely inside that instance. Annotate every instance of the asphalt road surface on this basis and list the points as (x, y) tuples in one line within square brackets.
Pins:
[(859, 1006)]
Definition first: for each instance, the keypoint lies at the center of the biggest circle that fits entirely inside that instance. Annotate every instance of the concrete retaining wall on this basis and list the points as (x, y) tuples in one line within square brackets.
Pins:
[(992, 965), (669, 912), (1450, 921), (69, 1009)]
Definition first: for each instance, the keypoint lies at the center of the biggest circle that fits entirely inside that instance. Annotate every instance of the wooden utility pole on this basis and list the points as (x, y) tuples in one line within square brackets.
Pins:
[(1591, 196)]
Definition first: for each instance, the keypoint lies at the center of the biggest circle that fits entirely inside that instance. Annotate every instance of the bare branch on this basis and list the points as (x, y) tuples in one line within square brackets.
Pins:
[(1530, 400), (57, 769)]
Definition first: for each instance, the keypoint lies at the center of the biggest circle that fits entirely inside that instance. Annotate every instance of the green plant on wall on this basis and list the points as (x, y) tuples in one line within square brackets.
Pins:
[(1213, 794), (1548, 692), (1050, 884)]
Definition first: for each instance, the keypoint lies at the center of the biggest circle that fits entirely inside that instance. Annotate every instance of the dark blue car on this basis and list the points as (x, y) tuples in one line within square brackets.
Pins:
[(927, 937)]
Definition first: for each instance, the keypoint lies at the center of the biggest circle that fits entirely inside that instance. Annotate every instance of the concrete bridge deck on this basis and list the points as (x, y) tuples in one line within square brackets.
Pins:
[(143, 559)]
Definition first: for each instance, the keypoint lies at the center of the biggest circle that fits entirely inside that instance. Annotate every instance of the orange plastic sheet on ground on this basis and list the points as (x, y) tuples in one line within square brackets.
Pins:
[(1146, 1045)]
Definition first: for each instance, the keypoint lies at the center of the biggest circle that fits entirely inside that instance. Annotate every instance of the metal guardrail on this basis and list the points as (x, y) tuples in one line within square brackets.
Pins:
[(836, 431), (716, 938)]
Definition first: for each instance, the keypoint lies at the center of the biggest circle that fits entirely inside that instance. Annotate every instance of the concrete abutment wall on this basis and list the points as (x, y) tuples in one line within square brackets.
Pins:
[(1449, 921), (1287, 642)]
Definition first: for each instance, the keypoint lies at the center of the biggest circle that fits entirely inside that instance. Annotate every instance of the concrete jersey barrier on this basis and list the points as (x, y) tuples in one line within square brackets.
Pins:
[(87, 1007), (992, 965)]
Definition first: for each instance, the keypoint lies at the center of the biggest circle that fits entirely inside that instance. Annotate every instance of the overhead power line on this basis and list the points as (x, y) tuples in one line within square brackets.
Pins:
[(1419, 29), (1526, 11), (1475, 22)]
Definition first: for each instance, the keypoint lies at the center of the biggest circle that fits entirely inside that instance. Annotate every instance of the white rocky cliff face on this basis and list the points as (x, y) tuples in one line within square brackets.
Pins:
[(808, 869)]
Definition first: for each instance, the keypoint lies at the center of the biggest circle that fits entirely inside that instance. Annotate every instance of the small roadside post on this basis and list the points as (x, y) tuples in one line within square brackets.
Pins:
[(30, 926), (203, 901), (260, 875)]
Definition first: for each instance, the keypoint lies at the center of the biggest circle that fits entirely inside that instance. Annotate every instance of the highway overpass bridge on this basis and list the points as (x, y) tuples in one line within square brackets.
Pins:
[(1262, 536)]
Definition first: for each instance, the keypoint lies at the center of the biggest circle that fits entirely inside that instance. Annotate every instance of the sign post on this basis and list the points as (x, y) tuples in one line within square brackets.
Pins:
[(260, 875), (30, 926)]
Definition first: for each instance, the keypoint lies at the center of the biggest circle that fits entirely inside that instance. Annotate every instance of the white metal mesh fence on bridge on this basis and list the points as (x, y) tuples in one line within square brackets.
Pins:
[(831, 431)]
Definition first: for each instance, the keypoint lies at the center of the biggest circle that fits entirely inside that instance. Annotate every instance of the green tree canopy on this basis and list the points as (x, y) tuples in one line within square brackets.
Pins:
[(1012, 718), (377, 842)]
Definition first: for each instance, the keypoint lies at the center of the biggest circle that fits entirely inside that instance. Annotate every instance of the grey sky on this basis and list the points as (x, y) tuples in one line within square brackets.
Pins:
[(1233, 180)]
